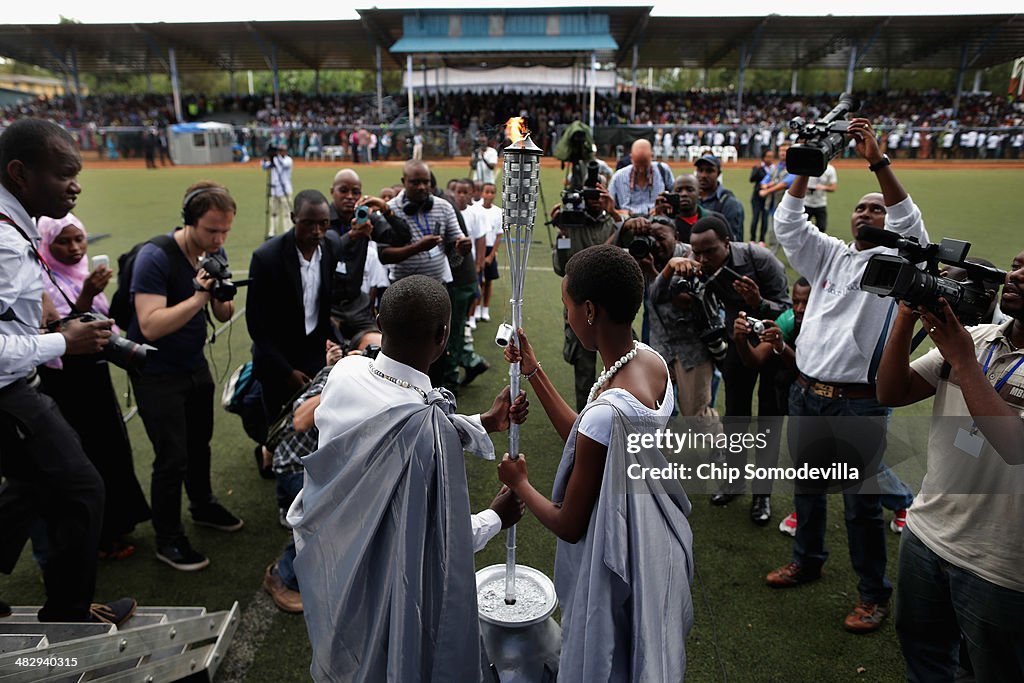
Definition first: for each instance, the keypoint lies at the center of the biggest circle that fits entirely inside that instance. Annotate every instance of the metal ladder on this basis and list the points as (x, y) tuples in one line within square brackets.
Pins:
[(157, 644)]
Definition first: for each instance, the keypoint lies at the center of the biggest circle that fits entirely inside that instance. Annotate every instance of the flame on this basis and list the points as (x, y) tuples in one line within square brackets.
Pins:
[(515, 129)]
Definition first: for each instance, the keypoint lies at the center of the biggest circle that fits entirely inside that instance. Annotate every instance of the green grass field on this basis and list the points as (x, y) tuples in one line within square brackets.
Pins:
[(743, 629)]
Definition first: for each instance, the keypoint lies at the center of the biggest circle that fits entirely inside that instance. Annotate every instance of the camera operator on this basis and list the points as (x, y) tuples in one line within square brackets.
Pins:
[(47, 474), (961, 553), (352, 240), (483, 160), (674, 329), (171, 294), (748, 278), (837, 378), (596, 225), (279, 165), (636, 187), (715, 197)]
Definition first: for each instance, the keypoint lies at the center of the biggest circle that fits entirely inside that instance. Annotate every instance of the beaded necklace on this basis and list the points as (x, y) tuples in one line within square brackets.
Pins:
[(398, 382), (605, 376)]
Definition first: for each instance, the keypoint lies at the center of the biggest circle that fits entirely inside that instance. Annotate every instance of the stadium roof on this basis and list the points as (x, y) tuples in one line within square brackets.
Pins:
[(772, 42)]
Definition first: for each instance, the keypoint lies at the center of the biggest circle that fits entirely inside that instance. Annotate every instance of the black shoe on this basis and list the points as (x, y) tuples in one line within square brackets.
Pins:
[(722, 498), (182, 556), (5, 609), (216, 516), (265, 472), (116, 612), (760, 510), (475, 371)]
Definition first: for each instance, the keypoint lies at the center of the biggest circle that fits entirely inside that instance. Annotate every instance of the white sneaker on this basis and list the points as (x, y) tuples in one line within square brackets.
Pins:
[(486, 315), (471, 323), (467, 334)]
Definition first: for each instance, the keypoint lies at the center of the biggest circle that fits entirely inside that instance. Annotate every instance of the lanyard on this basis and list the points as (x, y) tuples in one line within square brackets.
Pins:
[(35, 252), (1009, 373), (424, 227)]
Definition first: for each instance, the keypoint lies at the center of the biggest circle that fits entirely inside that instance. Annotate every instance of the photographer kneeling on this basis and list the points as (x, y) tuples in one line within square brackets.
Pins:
[(171, 289), (962, 550)]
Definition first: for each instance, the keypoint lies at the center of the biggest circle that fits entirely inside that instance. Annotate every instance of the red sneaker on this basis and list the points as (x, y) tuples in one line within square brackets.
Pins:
[(866, 617), (788, 525), (899, 521)]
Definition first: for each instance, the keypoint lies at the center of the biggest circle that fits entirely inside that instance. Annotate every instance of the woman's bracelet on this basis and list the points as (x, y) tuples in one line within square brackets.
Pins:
[(779, 353), (532, 374)]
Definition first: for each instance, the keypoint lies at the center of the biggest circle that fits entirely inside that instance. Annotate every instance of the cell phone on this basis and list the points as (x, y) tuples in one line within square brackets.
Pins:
[(726, 276), (100, 260)]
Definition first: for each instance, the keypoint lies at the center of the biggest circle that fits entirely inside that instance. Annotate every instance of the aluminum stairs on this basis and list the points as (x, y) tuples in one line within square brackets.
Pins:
[(157, 644)]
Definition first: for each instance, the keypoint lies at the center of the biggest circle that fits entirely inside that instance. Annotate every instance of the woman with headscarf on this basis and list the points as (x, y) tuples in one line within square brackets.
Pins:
[(82, 388)]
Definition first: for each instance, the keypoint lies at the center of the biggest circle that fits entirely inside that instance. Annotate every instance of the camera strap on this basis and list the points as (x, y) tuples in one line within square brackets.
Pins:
[(39, 257)]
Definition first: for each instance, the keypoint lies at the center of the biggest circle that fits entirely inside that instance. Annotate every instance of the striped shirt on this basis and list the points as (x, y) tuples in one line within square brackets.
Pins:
[(439, 219)]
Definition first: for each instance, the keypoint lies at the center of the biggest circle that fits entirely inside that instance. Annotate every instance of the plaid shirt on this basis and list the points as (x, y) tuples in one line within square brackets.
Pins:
[(294, 445)]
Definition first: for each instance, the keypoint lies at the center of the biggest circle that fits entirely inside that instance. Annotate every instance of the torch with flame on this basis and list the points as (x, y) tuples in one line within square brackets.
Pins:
[(520, 186)]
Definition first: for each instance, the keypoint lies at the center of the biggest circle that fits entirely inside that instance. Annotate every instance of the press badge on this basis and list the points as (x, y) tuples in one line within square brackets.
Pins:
[(564, 243), (970, 442), (341, 268), (436, 252)]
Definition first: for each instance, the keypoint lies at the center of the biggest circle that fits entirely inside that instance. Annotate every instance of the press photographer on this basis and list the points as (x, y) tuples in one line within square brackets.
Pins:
[(172, 295), (683, 206), (745, 277), (841, 341), (47, 474), (584, 218), (961, 553)]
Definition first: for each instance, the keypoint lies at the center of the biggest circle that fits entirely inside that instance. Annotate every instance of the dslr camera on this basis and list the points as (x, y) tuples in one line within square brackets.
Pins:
[(705, 315), (901, 278), (216, 266), (122, 352), (821, 141)]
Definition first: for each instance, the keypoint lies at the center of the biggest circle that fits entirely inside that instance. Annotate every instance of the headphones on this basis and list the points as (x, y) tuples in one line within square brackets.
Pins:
[(426, 205), (186, 216)]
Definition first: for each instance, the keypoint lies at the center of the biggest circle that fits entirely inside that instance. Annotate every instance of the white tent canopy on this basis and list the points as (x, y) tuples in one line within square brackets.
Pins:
[(510, 78)]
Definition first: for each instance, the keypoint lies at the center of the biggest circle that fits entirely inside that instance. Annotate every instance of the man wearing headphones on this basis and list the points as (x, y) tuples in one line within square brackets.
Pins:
[(171, 294)]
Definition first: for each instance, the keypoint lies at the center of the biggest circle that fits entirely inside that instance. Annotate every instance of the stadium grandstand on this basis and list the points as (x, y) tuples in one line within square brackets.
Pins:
[(465, 70)]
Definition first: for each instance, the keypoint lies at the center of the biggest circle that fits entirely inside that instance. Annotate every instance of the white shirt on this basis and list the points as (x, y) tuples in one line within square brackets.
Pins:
[(476, 224), (338, 413), (280, 169), (842, 324), (310, 273), (485, 173), (375, 273), (21, 290), (818, 198), (494, 220)]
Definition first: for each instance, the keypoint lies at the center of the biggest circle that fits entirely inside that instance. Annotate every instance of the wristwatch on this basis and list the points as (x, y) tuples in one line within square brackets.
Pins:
[(880, 164)]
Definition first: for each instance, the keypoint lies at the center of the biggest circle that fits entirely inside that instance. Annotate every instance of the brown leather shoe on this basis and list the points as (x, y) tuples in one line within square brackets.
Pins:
[(791, 575), (867, 617), (285, 598)]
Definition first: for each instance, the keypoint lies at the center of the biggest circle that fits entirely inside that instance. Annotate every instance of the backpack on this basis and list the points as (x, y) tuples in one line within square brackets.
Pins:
[(121, 309)]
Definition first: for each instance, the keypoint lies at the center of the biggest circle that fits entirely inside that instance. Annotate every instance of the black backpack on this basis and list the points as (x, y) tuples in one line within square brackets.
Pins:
[(121, 309)]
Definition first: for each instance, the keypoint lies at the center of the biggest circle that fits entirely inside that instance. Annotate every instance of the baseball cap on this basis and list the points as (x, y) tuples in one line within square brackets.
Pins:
[(709, 159)]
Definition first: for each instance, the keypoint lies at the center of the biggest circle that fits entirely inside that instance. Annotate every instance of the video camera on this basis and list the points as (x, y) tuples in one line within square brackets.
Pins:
[(821, 141), (122, 352), (574, 201), (216, 266), (900, 278), (706, 318)]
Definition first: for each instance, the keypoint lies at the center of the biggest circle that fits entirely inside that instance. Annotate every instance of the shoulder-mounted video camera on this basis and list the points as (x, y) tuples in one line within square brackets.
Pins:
[(900, 278), (821, 141), (574, 201)]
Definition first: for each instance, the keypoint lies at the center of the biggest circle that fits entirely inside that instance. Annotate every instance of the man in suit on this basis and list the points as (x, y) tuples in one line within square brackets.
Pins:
[(288, 307)]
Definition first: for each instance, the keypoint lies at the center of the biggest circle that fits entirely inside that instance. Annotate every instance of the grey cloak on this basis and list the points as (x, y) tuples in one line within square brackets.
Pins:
[(385, 553), (624, 588)]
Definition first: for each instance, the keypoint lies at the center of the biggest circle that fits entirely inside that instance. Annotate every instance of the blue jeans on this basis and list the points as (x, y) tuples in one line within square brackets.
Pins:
[(865, 523), (937, 601), (288, 486)]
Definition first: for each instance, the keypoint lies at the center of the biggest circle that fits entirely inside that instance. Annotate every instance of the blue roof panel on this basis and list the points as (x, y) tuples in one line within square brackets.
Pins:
[(535, 43)]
